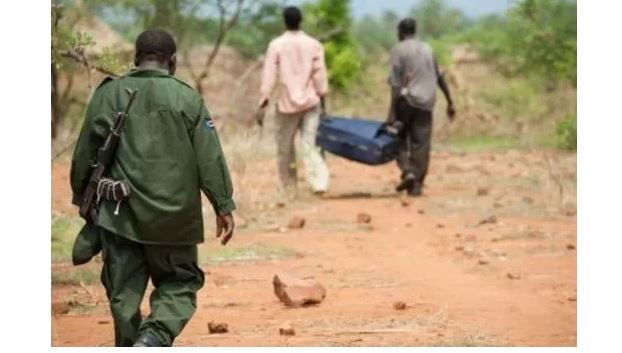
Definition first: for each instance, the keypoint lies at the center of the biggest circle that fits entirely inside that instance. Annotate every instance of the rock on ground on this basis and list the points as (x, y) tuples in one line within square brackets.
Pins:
[(481, 191), (217, 327), (363, 218), (297, 292), (60, 308), (296, 222), (492, 219), (287, 330), (399, 305)]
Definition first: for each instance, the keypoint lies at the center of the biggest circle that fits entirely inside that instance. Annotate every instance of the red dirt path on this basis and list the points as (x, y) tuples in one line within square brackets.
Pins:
[(431, 254)]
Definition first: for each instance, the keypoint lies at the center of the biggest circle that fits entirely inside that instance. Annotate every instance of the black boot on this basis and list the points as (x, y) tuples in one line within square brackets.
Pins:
[(407, 183), (145, 340), (416, 190)]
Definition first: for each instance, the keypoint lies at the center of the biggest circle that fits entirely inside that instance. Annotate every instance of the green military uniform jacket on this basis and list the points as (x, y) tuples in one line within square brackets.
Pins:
[(168, 153)]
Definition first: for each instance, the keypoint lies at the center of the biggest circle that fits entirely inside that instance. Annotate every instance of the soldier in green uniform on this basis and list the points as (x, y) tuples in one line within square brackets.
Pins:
[(168, 153)]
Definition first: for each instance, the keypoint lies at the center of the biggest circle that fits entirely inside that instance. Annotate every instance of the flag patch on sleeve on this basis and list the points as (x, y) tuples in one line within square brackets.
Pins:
[(208, 123)]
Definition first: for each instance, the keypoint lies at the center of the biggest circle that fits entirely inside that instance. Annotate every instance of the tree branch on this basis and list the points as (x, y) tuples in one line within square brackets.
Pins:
[(243, 78), (78, 55), (64, 149), (223, 27)]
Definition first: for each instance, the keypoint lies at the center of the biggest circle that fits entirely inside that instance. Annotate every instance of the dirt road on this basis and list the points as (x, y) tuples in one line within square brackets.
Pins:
[(487, 257)]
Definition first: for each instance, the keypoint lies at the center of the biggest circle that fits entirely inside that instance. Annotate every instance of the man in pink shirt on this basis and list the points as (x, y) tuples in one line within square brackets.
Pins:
[(296, 61)]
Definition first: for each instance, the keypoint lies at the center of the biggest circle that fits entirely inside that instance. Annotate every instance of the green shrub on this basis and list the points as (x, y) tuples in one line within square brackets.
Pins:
[(345, 65), (341, 50), (514, 99), (536, 38), (442, 50), (566, 133)]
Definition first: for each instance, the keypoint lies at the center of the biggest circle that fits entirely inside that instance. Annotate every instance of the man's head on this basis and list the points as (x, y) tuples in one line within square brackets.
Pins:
[(156, 48), (292, 17), (406, 28)]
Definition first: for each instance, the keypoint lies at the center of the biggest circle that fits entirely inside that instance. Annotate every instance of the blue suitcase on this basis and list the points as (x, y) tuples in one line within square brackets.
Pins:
[(358, 140)]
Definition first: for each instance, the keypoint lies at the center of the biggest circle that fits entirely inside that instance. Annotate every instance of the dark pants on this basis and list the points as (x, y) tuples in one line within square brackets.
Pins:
[(415, 141), (175, 275)]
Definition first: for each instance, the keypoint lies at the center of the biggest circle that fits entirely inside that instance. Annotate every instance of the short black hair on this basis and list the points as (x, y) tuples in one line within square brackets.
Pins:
[(155, 44), (407, 26), (292, 17)]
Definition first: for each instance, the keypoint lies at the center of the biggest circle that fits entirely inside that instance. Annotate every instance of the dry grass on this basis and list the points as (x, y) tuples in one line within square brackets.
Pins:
[(85, 275), (470, 340), (245, 254)]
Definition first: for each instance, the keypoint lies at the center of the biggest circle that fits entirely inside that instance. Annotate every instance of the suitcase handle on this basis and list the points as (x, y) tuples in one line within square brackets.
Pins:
[(381, 129), (389, 129)]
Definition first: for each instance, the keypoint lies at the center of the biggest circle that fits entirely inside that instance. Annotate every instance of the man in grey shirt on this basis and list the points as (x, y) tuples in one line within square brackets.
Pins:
[(413, 78)]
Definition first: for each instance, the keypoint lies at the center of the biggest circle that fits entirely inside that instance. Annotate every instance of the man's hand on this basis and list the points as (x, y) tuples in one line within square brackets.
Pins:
[(451, 112), (261, 111), (224, 227), (394, 128)]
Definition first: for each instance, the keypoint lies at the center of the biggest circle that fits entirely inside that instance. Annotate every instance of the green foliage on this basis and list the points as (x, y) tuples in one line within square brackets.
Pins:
[(330, 21), (488, 36), (376, 34), (514, 98), (343, 64), (71, 56), (182, 18), (256, 29), (538, 38), (435, 19), (112, 61), (63, 37), (194, 22), (566, 133), (437, 24), (442, 50)]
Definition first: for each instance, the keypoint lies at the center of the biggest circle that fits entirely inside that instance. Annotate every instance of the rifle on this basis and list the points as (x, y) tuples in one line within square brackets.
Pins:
[(105, 155)]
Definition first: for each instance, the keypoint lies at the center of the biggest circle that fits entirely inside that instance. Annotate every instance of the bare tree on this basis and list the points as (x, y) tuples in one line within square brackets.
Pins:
[(228, 16)]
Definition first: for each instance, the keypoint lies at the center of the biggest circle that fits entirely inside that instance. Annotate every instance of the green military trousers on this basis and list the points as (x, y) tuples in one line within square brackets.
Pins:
[(175, 275)]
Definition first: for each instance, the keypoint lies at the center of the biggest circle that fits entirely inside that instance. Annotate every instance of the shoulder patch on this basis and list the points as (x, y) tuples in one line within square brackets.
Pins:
[(208, 123)]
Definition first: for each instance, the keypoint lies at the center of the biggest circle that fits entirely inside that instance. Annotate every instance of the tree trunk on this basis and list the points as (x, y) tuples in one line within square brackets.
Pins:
[(55, 107), (199, 86)]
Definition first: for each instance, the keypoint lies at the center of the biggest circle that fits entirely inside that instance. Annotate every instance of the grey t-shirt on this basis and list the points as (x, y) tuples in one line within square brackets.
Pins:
[(414, 73)]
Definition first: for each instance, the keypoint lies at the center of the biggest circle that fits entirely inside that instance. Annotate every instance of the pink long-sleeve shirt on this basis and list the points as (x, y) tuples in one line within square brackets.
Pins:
[(297, 61)]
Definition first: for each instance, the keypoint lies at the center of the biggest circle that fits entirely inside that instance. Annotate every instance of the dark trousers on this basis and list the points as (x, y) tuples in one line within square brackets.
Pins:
[(175, 274), (415, 141)]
